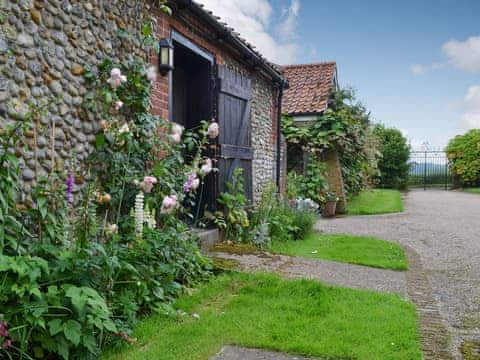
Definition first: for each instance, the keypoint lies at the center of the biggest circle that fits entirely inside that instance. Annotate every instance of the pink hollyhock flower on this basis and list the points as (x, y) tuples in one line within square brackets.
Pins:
[(207, 167), (147, 183), (213, 130), (169, 204), (118, 105), (192, 183), (152, 73)]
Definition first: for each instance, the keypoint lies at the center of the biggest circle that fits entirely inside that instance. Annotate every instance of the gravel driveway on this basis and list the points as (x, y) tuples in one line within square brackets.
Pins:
[(443, 227)]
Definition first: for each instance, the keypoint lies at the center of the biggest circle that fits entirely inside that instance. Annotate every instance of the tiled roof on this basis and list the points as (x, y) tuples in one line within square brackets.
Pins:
[(310, 87)]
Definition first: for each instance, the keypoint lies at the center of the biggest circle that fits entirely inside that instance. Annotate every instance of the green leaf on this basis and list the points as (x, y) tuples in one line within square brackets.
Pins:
[(110, 326), (72, 331), (62, 347), (55, 326), (100, 140), (88, 340)]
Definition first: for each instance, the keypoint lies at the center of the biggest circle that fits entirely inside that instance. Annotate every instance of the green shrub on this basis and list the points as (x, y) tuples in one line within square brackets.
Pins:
[(463, 151), (393, 163), (303, 221), (233, 219)]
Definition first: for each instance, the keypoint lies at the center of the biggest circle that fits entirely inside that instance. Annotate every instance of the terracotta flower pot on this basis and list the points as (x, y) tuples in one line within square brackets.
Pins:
[(329, 209)]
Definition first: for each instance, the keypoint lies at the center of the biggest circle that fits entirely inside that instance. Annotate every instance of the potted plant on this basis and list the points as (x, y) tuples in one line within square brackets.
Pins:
[(330, 207)]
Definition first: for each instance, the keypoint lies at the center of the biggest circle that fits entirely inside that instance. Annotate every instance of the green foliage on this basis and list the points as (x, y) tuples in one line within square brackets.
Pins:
[(233, 220), (68, 291), (313, 184), (463, 151), (343, 127), (47, 318), (12, 231), (393, 163), (287, 223)]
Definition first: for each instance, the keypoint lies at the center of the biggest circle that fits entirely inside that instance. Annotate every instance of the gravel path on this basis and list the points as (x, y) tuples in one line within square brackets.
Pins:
[(329, 272), (444, 229)]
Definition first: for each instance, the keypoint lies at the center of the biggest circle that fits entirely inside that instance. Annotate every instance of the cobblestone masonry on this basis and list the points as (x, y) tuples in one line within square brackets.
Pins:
[(44, 47)]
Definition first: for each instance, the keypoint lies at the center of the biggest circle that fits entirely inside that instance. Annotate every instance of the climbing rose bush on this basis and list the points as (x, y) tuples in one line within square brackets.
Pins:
[(105, 242)]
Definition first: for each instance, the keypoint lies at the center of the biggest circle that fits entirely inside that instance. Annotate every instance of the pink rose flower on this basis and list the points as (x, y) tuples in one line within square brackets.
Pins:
[(116, 78), (169, 204), (147, 183), (176, 138), (152, 73), (177, 131), (207, 167), (213, 130)]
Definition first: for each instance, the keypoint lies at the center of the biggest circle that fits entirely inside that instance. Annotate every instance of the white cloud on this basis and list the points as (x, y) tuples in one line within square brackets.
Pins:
[(252, 18), (288, 27), (417, 69), (471, 117), (464, 55)]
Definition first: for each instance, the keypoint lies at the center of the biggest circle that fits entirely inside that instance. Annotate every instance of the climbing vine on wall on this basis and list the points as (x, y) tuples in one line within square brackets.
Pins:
[(344, 127)]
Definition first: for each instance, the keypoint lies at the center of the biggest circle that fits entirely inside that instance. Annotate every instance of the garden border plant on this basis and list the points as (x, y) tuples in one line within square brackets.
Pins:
[(93, 248)]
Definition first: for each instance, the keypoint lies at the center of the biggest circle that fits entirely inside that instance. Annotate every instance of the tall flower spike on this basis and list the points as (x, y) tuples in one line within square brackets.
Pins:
[(139, 214)]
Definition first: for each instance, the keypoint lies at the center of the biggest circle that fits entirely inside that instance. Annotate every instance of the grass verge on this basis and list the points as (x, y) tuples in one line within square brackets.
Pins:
[(359, 250), (292, 316), (472, 190), (378, 201)]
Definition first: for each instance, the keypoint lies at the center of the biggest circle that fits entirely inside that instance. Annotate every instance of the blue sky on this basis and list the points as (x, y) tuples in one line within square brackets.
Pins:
[(414, 64)]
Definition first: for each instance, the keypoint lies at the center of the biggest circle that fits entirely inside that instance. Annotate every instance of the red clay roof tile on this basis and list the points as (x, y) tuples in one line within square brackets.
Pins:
[(310, 87)]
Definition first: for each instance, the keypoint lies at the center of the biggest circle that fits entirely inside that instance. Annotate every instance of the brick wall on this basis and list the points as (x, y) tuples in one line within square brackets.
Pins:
[(263, 115)]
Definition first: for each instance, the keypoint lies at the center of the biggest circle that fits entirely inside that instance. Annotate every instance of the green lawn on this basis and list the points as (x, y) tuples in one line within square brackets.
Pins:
[(472, 190), (378, 201), (346, 248), (293, 316)]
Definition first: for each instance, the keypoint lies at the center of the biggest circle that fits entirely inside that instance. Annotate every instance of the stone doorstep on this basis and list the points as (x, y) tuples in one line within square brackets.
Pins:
[(238, 353), (208, 238)]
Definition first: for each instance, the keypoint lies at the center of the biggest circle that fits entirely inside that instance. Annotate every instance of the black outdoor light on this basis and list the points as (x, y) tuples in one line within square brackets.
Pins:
[(165, 57)]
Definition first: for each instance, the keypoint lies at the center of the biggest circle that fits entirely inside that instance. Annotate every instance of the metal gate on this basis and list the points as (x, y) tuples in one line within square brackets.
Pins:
[(429, 169)]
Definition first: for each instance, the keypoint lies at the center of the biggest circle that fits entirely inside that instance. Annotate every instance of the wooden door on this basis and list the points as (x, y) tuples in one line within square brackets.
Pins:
[(234, 110)]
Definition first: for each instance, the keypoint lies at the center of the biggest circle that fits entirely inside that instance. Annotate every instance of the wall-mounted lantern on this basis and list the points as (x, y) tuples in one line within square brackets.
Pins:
[(165, 58)]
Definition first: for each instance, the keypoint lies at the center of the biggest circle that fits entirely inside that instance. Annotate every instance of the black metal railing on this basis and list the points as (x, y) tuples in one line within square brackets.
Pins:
[(429, 169)]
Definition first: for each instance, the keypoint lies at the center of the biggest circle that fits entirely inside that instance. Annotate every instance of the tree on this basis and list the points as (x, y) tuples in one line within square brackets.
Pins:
[(463, 151), (395, 151)]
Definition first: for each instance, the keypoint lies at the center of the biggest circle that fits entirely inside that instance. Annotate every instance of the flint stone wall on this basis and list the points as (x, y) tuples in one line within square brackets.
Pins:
[(45, 46)]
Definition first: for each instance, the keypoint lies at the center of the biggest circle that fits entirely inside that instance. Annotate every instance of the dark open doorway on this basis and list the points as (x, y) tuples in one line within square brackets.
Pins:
[(192, 100)]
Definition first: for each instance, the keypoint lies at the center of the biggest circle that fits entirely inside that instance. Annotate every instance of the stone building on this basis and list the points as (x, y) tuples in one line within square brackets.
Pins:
[(307, 97), (45, 46)]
